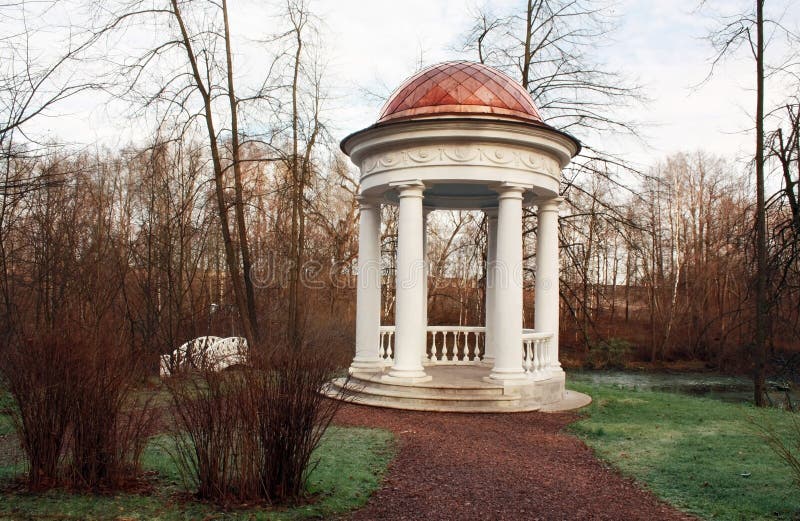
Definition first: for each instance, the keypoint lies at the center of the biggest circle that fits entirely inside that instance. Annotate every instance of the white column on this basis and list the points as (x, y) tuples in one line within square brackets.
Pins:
[(491, 286), (508, 281), (425, 213), (368, 292), (409, 286), (547, 299)]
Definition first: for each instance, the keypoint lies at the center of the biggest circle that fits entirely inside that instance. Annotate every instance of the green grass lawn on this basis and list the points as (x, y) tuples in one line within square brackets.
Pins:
[(351, 463), (692, 452)]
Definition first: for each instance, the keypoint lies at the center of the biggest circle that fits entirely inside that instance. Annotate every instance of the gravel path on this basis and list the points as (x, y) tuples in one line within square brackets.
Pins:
[(496, 466)]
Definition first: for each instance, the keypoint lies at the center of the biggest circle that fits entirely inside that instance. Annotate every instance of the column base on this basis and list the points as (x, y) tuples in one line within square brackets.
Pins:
[(508, 376), (539, 376), (405, 378), (366, 366)]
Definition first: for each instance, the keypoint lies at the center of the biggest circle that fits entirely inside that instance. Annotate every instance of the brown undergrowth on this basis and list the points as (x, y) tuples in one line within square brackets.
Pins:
[(247, 434), (80, 422)]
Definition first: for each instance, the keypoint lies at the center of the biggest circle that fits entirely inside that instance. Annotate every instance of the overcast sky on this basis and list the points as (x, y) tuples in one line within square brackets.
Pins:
[(659, 44), (373, 45)]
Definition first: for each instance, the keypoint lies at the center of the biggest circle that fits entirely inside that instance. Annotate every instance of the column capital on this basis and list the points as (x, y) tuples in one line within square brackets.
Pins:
[(368, 203), (410, 188), (548, 204), (510, 190)]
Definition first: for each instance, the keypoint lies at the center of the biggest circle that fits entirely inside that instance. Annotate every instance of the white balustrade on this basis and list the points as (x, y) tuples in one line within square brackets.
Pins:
[(536, 352), (386, 345), (454, 345), (464, 345)]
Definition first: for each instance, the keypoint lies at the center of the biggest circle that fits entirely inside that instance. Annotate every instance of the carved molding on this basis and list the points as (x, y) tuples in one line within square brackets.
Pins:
[(478, 155)]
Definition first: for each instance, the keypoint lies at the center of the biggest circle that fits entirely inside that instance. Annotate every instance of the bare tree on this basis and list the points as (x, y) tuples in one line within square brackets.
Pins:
[(748, 29), (199, 95), (306, 127), (548, 45), (784, 148), (33, 79), (37, 75)]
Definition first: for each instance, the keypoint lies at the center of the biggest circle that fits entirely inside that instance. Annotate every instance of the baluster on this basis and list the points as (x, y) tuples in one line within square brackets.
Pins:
[(428, 356), (474, 357), (451, 354), (546, 362), (540, 355), (530, 355), (526, 357)]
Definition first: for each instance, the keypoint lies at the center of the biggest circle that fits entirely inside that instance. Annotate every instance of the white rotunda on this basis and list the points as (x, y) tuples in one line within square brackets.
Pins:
[(459, 135)]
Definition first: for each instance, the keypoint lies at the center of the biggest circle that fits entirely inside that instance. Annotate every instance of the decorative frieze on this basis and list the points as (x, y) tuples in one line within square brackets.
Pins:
[(476, 155)]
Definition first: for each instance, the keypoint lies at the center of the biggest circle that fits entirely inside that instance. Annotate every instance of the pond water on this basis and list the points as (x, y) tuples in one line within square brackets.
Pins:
[(735, 389)]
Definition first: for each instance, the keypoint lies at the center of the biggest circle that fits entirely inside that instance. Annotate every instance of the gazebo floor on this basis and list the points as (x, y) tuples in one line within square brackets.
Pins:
[(458, 388)]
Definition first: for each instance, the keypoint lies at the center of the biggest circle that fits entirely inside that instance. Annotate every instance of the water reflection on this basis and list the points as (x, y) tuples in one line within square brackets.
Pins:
[(734, 389)]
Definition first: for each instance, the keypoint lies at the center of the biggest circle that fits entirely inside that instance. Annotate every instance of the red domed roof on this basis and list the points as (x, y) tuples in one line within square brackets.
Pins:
[(463, 88)]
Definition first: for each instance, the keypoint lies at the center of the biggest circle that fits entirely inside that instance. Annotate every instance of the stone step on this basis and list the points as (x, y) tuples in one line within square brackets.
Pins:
[(434, 404), (422, 394), (419, 400), (457, 389), (441, 389)]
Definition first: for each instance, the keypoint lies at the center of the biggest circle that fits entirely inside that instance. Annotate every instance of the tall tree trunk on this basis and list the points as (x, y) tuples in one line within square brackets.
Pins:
[(759, 387), (238, 204), (219, 180), (298, 185)]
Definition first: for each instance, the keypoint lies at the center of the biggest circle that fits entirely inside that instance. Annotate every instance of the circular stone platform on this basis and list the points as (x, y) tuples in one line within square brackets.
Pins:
[(457, 389)]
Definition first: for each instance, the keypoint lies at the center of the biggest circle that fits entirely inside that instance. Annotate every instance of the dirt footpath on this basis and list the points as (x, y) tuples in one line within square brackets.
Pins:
[(496, 466)]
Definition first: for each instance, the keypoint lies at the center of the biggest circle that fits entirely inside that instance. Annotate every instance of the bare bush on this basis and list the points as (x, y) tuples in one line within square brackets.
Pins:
[(206, 411), (249, 434), (39, 375), (786, 447), (110, 423), (76, 413), (293, 415)]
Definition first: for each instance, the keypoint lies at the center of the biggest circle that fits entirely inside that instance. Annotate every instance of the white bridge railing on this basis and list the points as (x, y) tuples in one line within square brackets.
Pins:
[(464, 345)]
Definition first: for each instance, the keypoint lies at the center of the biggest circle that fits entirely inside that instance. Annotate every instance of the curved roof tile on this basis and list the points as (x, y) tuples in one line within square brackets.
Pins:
[(459, 87)]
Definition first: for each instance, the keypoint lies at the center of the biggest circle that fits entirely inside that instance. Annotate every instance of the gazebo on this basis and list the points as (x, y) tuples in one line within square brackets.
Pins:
[(459, 135)]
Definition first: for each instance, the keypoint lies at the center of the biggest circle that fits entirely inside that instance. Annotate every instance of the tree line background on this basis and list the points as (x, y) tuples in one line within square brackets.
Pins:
[(235, 213)]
